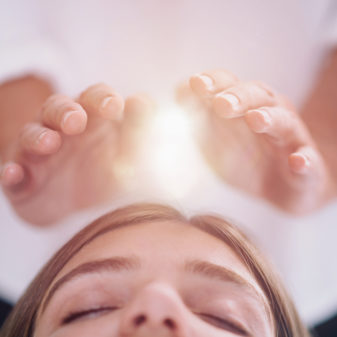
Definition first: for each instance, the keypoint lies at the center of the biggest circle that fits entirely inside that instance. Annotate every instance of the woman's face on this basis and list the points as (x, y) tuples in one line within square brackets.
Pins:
[(154, 280)]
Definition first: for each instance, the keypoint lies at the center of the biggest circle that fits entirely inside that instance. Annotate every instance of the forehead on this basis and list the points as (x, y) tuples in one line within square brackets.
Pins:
[(161, 246)]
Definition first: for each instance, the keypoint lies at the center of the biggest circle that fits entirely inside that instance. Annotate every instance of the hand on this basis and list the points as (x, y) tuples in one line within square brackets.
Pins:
[(254, 140), (69, 159)]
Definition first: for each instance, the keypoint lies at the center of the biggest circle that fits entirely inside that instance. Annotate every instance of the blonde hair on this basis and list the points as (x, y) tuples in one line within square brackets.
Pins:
[(285, 317)]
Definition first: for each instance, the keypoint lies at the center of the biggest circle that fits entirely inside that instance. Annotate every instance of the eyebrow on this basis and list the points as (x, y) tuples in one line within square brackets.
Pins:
[(115, 264), (214, 271)]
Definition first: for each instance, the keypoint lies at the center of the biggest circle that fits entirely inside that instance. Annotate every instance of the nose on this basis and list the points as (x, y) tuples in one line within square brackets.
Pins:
[(155, 311)]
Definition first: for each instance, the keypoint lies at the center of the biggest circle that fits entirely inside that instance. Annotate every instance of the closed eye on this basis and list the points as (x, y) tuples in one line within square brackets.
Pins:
[(89, 313), (225, 324)]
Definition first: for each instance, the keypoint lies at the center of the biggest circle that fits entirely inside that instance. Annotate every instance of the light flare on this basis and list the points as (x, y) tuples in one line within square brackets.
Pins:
[(172, 159)]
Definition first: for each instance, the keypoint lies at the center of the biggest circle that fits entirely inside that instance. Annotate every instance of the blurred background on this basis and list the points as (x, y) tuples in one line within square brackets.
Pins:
[(151, 46)]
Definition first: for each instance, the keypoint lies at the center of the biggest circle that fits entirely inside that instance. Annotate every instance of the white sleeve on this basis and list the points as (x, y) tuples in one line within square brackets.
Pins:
[(26, 48), (39, 57), (330, 26)]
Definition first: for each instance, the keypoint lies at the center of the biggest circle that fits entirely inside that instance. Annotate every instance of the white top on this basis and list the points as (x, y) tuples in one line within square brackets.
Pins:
[(150, 46)]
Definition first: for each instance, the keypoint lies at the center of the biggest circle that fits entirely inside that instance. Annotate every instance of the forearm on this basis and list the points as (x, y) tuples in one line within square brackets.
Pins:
[(320, 112), (20, 102)]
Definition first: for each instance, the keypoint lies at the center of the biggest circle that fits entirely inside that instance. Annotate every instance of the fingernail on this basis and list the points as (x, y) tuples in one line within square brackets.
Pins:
[(110, 108), (40, 137), (106, 101), (227, 105), (202, 84), (258, 120), (72, 123)]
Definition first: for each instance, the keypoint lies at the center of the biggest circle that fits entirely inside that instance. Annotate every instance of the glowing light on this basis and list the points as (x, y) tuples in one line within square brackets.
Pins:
[(171, 157), (173, 121)]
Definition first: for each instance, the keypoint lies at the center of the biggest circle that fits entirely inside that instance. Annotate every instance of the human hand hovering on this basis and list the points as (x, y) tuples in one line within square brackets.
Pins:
[(69, 158), (252, 137)]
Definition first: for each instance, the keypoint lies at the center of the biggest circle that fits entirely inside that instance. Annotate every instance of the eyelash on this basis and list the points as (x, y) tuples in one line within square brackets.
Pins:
[(224, 324), (79, 314), (214, 320)]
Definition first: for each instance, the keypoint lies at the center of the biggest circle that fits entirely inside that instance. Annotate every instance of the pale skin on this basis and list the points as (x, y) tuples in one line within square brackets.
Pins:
[(155, 279), (255, 140), (70, 154), (252, 138)]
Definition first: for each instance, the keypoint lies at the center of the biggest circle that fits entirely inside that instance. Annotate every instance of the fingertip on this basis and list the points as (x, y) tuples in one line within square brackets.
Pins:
[(101, 100), (258, 120), (140, 100), (138, 107), (74, 122), (227, 105), (112, 107), (49, 142), (11, 174), (183, 92), (299, 163), (202, 84)]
